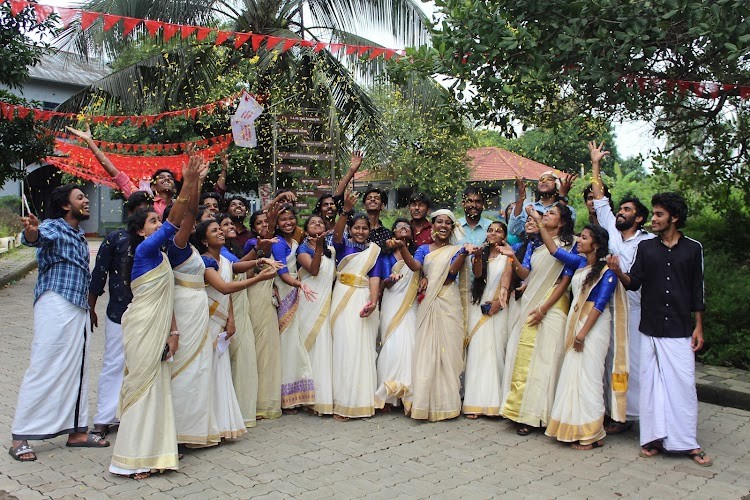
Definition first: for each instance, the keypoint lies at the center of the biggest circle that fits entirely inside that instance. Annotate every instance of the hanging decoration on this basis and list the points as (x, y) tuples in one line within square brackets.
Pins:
[(121, 147), (243, 122), (81, 162), (11, 111)]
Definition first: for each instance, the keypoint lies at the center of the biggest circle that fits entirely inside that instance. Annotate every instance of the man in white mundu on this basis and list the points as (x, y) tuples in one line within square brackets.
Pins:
[(53, 398), (625, 233)]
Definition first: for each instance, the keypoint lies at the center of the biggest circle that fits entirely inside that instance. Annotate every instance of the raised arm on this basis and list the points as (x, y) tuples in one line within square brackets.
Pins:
[(356, 162), (338, 229), (311, 263), (214, 279), (597, 153), (188, 221), (190, 173), (549, 242), (123, 182)]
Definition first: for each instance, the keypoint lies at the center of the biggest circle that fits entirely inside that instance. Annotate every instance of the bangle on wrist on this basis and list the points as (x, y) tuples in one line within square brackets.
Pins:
[(174, 333), (182, 200)]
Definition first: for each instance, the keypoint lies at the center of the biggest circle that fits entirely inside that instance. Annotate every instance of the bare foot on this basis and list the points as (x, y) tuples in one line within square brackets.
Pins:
[(340, 418), (471, 416), (587, 447)]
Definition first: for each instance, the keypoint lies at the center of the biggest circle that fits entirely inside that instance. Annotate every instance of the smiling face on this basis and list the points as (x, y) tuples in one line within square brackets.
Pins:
[(164, 182), (473, 205), (237, 209), (315, 226), (328, 207), (442, 227), (78, 205), (260, 226), (590, 204), (359, 232), (402, 231), (152, 224), (530, 227), (373, 202), (627, 216), (418, 210), (495, 234), (214, 236), (585, 243), (661, 220), (287, 223), (227, 227)]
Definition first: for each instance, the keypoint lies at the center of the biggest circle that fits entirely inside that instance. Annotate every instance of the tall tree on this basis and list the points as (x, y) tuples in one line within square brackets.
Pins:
[(542, 62), (186, 71), (21, 139)]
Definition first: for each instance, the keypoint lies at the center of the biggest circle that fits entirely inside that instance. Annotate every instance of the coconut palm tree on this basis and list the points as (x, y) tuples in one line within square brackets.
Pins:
[(185, 72)]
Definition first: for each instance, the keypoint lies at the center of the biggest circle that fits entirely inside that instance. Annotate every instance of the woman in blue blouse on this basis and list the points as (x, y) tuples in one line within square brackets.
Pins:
[(354, 316), (147, 439), (578, 411)]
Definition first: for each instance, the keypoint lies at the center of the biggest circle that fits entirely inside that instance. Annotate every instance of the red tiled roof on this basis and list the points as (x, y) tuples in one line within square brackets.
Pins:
[(486, 164), (497, 164)]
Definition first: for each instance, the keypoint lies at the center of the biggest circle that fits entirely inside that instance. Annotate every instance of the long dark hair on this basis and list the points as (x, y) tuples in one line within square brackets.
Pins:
[(326, 250), (479, 284), (136, 221), (200, 234), (601, 238), (229, 243), (254, 217), (567, 235)]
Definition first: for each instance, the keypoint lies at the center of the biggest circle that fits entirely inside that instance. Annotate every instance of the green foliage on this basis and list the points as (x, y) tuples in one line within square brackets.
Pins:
[(545, 62), (21, 139), (727, 283), (10, 222), (424, 154)]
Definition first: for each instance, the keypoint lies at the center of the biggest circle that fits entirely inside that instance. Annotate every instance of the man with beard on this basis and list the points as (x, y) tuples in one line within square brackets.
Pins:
[(551, 188), (625, 233), (669, 270), (473, 224), (212, 202), (110, 263), (53, 397), (421, 227)]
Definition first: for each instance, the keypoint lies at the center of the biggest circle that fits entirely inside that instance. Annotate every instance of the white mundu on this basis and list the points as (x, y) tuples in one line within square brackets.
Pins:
[(53, 398)]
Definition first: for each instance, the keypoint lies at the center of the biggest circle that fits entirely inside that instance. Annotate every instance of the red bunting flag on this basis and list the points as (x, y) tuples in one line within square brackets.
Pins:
[(88, 18), (288, 44), (222, 36), (272, 41), (42, 12), (129, 24), (110, 21), (240, 39), (186, 31), (66, 15), (169, 30), (319, 46), (376, 51), (22, 112), (152, 26), (389, 53), (351, 49), (203, 33), (335, 47), (17, 6), (362, 50), (255, 40)]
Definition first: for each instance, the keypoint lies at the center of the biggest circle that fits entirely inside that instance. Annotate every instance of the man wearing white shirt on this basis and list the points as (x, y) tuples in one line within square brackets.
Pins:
[(625, 233)]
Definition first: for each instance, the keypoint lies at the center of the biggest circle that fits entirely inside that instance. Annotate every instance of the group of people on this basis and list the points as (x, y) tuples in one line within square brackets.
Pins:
[(212, 324)]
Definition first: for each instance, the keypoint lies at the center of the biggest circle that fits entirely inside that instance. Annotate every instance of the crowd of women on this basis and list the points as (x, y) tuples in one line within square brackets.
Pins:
[(222, 331)]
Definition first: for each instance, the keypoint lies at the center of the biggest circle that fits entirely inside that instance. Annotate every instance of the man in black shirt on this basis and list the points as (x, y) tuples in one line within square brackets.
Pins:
[(110, 261), (374, 200), (669, 269)]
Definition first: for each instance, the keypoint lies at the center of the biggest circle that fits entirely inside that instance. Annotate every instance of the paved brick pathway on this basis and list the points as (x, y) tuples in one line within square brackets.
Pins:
[(387, 456)]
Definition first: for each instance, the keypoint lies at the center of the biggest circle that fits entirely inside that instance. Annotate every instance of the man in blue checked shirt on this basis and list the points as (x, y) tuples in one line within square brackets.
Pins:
[(53, 398)]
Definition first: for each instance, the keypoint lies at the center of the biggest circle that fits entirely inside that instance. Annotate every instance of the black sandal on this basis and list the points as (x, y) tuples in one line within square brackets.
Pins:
[(647, 449), (524, 430)]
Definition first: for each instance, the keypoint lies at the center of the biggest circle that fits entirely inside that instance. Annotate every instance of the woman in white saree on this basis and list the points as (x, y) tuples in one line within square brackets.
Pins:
[(354, 316), (438, 351), (578, 411), (398, 321), (147, 439), (488, 327), (536, 344), (297, 386), (266, 328), (219, 287), (317, 270)]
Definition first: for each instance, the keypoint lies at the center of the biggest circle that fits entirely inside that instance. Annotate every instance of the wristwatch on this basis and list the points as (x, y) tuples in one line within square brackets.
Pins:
[(563, 198)]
